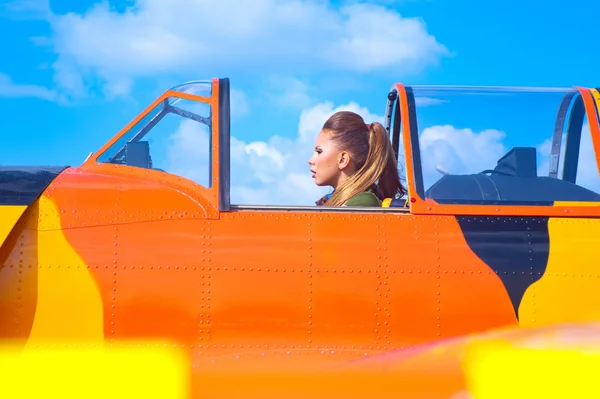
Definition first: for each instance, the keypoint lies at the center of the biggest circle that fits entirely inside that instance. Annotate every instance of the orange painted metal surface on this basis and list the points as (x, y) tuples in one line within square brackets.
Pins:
[(592, 115), (256, 280)]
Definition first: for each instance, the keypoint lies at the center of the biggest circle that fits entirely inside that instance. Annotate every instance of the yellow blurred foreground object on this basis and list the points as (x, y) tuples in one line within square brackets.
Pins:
[(497, 370), (120, 372)]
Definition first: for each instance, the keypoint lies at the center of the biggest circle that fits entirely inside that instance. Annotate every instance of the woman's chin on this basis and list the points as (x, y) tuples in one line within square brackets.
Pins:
[(321, 182)]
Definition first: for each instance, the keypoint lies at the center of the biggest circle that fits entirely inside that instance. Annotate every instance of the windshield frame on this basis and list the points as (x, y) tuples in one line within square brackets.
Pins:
[(211, 200), (401, 108)]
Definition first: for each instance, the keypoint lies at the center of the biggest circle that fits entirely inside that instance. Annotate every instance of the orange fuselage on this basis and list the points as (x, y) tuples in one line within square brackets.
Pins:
[(113, 254)]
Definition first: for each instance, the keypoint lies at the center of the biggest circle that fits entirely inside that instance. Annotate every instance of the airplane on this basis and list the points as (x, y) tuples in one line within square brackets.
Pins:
[(311, 301)]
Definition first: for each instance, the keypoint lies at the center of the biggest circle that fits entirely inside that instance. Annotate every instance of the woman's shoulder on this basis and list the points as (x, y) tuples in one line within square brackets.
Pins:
[(366, 198)]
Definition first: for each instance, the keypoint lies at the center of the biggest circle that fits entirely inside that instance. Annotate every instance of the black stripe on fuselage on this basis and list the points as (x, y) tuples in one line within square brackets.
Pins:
[(515, 248), (21, 185)]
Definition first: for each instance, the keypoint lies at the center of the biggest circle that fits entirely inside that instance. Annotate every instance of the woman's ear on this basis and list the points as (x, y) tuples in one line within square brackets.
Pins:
[(343, 160)]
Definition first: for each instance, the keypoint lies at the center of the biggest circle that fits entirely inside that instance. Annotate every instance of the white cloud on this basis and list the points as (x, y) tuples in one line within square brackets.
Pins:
[(375, 38), (458, 151), (183, 36), (8, 88)]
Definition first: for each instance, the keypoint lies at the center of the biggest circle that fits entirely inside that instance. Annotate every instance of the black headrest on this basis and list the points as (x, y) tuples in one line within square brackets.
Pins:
[(138, 154), (520, 161)]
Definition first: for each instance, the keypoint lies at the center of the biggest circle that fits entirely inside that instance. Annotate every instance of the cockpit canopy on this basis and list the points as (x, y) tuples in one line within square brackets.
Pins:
[(455, 145), (498, 145)]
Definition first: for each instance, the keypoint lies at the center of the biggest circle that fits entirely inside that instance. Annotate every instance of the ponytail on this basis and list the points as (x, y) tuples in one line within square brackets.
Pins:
[(379, 169), (389, 179)]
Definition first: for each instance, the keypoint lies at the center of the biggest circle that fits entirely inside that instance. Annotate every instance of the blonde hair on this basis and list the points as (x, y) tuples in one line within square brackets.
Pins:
[(370, 148)]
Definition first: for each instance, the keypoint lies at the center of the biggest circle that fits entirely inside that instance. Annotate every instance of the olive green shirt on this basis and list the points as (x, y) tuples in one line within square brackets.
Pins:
[(366, 198)]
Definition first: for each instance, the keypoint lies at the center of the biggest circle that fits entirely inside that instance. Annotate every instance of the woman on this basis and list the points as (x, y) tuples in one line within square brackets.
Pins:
[(357, 160)]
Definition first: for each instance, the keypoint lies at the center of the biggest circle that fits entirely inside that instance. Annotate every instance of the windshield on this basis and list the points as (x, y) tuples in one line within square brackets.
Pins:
[(504, 145), (172, 137)]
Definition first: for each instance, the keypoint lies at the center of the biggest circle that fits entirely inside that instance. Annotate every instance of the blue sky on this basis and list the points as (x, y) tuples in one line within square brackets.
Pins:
[(73, 73)]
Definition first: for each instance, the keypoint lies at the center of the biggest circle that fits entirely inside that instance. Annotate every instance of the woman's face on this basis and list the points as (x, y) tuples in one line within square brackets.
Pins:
[(327, 162)]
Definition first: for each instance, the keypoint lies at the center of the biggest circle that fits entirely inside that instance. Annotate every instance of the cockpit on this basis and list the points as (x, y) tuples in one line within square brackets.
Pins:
[(454, 145)]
